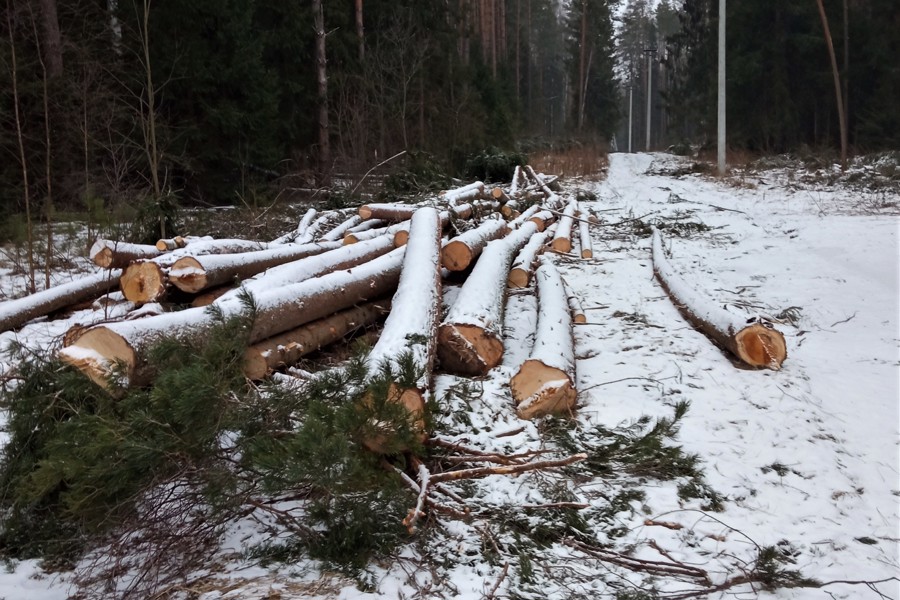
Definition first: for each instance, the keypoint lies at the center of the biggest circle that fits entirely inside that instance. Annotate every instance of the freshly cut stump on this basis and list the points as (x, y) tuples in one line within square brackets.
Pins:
[(750, 340)]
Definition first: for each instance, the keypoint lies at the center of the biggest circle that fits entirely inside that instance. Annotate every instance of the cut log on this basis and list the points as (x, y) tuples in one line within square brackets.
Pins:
[(461, 251), (460, 211), (470, 340), (751, 340), (523, 265), (543, 219), (584, 234), (369, 234), (369, 224), (338, 232), (167, 245), (545, 382), (147, 280), (15, 313), (193, 274), (109, 254), (510, 210), (466, 193), (412, 325), (388, 212), (286, 349), (314, 229), (562, 240), (527, 214), (289, 238), (99, 350), (498, 194), (576, 309), (207, 298), (518, 183)]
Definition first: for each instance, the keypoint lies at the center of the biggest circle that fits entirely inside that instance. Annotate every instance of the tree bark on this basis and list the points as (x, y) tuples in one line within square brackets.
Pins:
[(300, 230), (286, 349), (193, 274), (388, 212), (412, 325), (52, 41), (584, 234), (15, 313), (323, 168), (462, 250), (751, 341), (360, 31), (337, 233), (109, 254), (576, 309), (466, 193), (470, 340), (842, 118), (543, 219), (545, 382), (122, 347)]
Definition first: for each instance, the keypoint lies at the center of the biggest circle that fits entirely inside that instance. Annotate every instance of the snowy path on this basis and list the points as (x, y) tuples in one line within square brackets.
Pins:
[(808, 455)]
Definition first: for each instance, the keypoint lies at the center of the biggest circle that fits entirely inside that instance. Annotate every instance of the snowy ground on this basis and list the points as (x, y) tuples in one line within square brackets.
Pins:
[(807, 457)]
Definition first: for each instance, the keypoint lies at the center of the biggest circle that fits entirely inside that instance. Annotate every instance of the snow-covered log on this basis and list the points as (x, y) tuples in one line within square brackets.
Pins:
[(584, 235), (369, 234), (518, 183), (369, 224), (301, 228), (101, 349), (460, 211), (543, 219), (412, 325), (466, 193), (15, 313), (110, 254), (387, 212), (286, 349), (169, 244), (575, 306), (314, 229), (523, 265), (193, 274), (498, 194), (470, 340), (510, 209), (338, 231), (526, 215), (752, 340), (462, 250), (544, 383), (562, 240), (551, 199)]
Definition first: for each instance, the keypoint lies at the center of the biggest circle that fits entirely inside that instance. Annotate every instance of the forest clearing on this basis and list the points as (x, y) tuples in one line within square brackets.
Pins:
[(571, 425)]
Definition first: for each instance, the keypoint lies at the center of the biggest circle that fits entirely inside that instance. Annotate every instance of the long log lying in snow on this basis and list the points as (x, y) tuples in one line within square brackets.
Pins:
[(751, 341), (470, 340), (576, 308), (462, 250), (14, 313), (460, 211), (387, 212), (98, 350), (562, 241), (362, 236), (146, 280), (412, 325), (545, 382), (110, 254), (466, 193), (299, 231), (584, 235), (194, 274), (286, 349), (523, 265), (543, 219), (337, 232)]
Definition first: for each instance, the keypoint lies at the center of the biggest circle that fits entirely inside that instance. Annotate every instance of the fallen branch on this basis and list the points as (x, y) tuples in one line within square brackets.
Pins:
[(478, 472)]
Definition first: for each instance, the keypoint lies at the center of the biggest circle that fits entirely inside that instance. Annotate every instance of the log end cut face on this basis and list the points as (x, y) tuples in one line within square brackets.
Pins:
[(380, 437), (456, 256), (187, 274), (761, 346), (100, 353), (540, 390), (143, 282), (468, 349)]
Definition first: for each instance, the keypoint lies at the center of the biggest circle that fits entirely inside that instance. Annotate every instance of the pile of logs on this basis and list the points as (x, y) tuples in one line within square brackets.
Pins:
[(341, 271)]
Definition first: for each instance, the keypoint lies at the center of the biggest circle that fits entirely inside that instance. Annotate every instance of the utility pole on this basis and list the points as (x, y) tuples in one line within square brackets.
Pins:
[(649, 52), (721, 92), (630, 109)]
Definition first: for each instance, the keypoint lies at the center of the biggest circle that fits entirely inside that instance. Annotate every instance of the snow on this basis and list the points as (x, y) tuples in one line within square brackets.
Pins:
[(822, 260), (553, 338)]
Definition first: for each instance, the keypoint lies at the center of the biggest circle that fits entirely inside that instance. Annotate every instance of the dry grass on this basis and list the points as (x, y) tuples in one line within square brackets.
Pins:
[(581, 160)]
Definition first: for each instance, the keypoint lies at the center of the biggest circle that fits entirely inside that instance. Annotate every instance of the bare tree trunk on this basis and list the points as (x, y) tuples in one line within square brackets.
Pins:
[(20, 138), (581, 64), (837, 83), (323, 168), (48, 200), (51, 40), (518, 52), (846, 65), (360, 30), (148, 120)]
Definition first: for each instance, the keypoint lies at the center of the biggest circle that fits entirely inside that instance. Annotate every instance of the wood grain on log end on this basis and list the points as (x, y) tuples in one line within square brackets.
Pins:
[(98, 353), (143, 281), (188, 275), (518, 278), (563, 245), (468, 349), (542, 390), (761, 346), (380, 439), (400, 238), (456, 256), (585, 253)]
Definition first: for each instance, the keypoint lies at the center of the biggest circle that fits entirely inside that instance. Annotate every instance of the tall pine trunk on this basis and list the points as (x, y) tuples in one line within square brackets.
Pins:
[(323, 164), (842, 118)]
